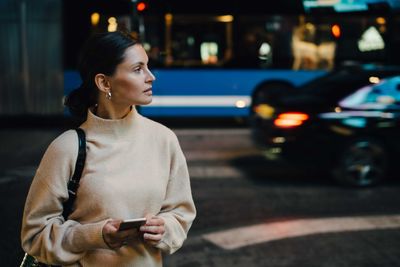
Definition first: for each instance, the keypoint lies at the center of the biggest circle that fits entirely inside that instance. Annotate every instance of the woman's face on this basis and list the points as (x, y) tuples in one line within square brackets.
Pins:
[(131, 83)]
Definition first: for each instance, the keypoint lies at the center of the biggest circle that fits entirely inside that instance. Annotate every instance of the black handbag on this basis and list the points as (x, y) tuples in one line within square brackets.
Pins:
[(73, 184)]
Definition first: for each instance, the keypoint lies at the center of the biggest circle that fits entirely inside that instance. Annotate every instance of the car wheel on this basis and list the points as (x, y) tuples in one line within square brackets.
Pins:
[(363, 163)]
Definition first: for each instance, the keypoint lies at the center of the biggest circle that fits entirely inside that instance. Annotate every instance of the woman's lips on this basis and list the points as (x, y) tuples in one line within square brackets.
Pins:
[(148, 91)]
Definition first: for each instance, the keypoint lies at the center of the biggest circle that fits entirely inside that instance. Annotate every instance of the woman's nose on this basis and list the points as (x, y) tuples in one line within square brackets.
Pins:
[(151, 76)]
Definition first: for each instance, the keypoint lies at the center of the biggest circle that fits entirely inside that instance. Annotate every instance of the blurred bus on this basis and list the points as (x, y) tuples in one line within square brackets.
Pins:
[(218, 58)]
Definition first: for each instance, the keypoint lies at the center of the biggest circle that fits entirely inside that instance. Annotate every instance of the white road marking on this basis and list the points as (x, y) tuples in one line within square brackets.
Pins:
[(260, 233)]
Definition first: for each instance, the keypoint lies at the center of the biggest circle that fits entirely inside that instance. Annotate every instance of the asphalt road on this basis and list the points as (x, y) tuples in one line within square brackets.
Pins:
[(250, 212)]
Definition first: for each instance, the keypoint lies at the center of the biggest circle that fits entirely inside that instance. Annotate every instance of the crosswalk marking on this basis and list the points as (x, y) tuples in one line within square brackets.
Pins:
[(260, 233)]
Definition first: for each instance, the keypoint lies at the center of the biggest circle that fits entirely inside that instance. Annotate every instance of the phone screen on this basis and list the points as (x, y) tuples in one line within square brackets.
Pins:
[(131, 223)]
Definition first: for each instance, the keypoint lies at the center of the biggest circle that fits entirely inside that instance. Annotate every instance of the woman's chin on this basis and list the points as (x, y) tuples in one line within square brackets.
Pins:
[(146, 101)]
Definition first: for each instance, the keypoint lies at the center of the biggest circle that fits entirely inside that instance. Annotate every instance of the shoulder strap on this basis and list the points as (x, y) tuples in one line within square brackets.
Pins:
[(73, 183)]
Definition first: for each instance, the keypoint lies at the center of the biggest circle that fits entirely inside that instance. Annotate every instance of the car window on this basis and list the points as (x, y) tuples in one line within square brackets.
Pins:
[(379, 96), (338, 84)]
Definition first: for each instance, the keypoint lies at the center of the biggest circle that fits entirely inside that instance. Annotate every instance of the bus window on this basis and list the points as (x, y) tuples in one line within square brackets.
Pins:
[(193, 41)]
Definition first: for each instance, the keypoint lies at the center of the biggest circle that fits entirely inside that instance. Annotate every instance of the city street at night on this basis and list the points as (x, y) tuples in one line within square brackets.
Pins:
[(287, 114), (250, 212)]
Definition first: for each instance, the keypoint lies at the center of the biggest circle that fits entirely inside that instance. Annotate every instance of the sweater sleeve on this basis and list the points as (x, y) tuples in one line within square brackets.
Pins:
[(45, 234), (178, 209)]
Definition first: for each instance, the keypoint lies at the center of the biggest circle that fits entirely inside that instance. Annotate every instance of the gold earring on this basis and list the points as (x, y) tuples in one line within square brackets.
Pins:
[(108, 95)]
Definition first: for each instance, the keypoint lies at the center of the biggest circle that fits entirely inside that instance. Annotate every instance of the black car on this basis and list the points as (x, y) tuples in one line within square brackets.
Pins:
[(355, 135), (329, 88)]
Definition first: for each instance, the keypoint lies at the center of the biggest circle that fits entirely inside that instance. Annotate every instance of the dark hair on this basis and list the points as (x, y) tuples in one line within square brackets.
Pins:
[(101, 53)]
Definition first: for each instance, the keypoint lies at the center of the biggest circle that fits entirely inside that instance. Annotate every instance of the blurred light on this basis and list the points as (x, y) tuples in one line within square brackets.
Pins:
[(225, 18), (380, 20), (355, 122), (95, 18), (168, 19), (293, 116), (382, 24), (209, 52), (341, 130), (146, 46), (112, 24), (386, 99), (386, 124), (374, 79), (264, 51), (112, 20), (279, 140), (190, 41), (371, 40), (141, 6), (264, 111), (338, 110), (276, 150), (240, 104), (336, 30), (290, 119), (309, 26), (387, 115)]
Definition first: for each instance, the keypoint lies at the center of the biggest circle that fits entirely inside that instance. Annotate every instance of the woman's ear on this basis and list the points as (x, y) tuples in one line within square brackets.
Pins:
[(102, 82)]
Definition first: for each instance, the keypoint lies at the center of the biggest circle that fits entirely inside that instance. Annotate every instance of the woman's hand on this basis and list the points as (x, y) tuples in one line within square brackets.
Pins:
[(153, 230), (116, 239)]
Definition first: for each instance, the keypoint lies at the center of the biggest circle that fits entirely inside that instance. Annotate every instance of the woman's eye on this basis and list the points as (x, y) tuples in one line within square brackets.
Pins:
[(137, 70)]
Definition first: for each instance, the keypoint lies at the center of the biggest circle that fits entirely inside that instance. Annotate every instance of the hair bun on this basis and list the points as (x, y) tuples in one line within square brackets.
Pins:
[(77, 102)]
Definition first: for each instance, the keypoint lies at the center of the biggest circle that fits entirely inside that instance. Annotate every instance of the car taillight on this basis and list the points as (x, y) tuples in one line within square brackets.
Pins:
[(290, 119)]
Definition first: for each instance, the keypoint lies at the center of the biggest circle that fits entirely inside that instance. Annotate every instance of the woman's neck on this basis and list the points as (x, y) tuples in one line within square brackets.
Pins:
[(111, 113)]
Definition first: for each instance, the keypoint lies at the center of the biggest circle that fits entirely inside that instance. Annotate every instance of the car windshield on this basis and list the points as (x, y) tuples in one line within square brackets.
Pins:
[(321, 83), (337, 84), (377, 96)]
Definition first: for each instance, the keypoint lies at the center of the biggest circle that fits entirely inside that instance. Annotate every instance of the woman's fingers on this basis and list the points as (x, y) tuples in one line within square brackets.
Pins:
[(152, 239), (154, 225), (114, 238), (153, 230), (154, 220)]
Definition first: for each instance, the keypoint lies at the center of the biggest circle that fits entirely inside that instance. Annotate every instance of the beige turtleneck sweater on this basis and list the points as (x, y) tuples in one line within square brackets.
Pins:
[(134, 166)]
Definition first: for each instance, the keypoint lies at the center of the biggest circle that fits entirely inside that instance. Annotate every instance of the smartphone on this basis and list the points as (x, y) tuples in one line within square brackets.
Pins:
[(131, 223)]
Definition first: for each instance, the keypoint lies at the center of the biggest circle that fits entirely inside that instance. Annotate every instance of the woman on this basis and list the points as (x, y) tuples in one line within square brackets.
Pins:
[(134, 168)]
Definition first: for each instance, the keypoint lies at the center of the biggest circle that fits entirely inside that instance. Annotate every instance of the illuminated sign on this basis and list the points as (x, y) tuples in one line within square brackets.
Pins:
[(348, 5), (371, 40)]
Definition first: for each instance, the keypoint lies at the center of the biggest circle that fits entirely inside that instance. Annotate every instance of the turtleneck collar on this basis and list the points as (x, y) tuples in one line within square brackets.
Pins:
[(118, 129)]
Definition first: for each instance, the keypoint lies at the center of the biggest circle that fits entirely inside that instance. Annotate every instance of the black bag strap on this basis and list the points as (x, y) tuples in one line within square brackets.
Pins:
[(73, 183)]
